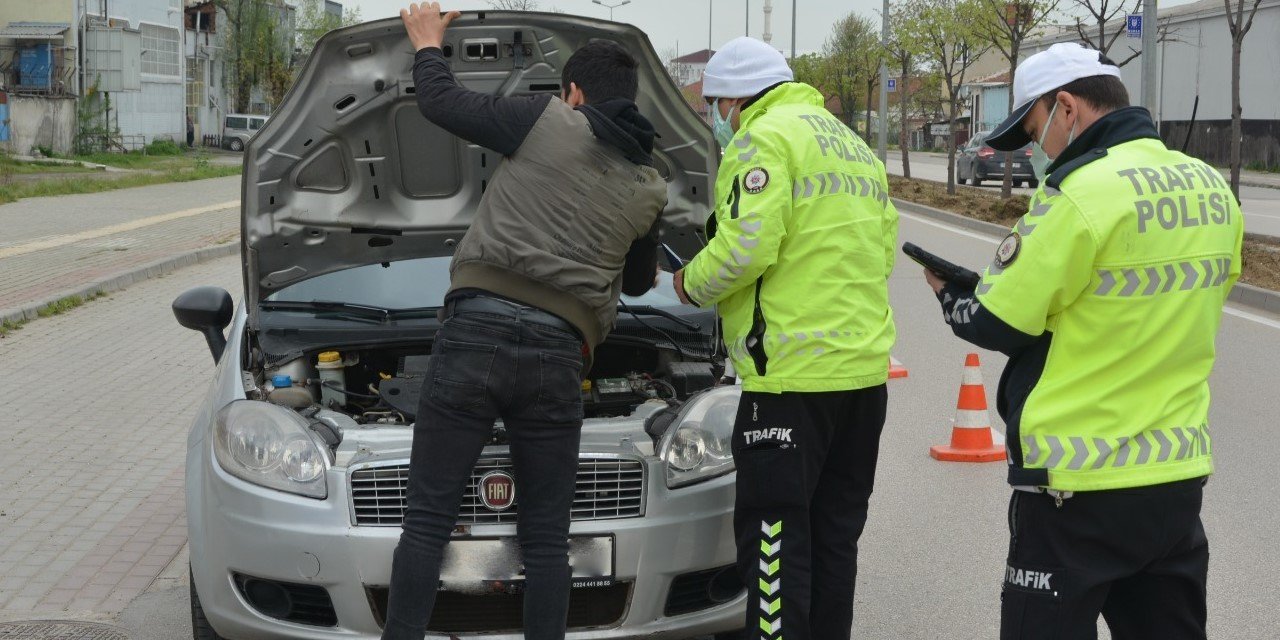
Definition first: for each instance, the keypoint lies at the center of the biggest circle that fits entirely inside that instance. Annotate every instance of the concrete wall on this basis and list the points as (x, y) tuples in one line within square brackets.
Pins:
[(38, 121)]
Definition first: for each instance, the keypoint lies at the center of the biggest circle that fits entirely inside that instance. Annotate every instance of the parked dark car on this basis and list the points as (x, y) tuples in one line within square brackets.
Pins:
[(977, 162)]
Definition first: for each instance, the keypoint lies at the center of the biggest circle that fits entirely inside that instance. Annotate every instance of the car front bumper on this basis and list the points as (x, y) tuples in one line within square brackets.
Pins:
[(237, 528)]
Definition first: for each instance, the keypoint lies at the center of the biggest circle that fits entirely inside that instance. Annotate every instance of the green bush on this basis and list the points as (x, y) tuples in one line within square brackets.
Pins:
[(164, 148)]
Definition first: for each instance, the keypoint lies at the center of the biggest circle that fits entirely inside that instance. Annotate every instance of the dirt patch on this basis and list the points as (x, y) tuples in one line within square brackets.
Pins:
[(968, 201), (1260, 256)]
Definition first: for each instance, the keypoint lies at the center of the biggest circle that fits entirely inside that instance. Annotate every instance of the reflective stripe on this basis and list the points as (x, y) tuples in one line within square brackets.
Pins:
[(1161, 279), (1081, 452), (769, 582), (1076, 453), (1032, 447), (831, 182)]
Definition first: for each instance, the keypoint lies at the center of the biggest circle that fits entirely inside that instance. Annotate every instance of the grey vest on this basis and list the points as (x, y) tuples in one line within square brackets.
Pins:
[(553, 228)]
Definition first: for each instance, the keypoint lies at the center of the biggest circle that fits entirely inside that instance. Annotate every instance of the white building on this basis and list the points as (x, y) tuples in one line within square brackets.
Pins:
[(1194, 61), (156, 110)]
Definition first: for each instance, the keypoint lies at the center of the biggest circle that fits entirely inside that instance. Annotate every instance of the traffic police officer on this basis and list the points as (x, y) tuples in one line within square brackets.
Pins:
[(802, 244), (1106, 297)]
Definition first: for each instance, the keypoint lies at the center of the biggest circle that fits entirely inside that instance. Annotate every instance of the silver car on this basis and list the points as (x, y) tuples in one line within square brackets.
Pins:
[(297, 461)]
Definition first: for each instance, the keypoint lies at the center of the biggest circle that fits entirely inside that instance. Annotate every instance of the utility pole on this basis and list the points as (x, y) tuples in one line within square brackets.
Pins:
[(793, 31), (710, 6), (1150, 63), (882, 142), (748, 16)]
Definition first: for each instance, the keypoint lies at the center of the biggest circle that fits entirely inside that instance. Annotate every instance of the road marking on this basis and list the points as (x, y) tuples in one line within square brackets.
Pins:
[(1240, 313), (1229, 309), (71, 238), (940, 225)]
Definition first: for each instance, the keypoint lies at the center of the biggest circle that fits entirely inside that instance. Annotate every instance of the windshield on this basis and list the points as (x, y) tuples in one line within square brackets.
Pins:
[(422, 282)]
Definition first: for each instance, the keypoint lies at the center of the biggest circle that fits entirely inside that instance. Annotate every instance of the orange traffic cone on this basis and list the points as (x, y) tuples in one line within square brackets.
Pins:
[(896, 369), (971, 434)]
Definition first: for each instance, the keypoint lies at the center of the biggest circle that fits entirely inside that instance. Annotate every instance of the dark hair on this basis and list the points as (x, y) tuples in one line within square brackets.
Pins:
[(603, 70), (1104, 93)]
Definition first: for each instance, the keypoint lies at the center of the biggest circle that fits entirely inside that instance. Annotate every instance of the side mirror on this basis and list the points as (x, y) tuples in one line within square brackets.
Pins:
[(207, 310)]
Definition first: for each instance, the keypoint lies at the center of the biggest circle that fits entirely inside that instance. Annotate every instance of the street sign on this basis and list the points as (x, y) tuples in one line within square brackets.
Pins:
[(939, 129), (893, 84), (1134, 25)]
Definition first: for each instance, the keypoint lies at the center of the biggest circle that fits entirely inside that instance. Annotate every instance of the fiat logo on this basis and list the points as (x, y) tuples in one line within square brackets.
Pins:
[(497, 490)]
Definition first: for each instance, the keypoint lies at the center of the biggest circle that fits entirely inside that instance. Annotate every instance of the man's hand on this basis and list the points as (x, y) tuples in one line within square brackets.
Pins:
[(934, 281), (426, 24), (678, 282)]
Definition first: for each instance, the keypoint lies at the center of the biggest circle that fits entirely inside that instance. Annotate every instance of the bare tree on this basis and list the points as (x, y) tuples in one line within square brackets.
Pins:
[(514, 5), (945, 29), (903, 51), (1005, 24), (1239, 24), (1106, 23)]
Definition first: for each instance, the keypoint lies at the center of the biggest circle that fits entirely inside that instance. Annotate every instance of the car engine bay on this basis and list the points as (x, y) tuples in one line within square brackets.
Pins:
[(382, 385)]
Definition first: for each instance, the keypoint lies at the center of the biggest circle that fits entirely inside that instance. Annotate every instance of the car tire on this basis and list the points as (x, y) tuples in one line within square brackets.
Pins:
[(236, 144), (1034, 184), (200, 627), (1018, 183), (975, 180), (728, 635)]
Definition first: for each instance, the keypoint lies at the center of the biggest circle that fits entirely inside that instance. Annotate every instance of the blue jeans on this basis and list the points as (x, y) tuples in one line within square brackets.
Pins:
[(486, 365)]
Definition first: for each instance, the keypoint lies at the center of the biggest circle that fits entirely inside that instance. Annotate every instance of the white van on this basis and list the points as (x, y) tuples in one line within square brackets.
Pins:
[(237, 128)]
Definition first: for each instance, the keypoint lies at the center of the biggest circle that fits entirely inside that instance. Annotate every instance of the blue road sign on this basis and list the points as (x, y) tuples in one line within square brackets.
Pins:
[(893, 84), (1134, 24)]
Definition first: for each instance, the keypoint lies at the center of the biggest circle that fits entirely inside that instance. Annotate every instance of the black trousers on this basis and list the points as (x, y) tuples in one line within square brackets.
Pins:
[(806, 464), (486, 365), (1138, 557)]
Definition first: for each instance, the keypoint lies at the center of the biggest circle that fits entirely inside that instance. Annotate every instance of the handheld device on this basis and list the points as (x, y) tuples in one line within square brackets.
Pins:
[(942, 268), (673, 260)]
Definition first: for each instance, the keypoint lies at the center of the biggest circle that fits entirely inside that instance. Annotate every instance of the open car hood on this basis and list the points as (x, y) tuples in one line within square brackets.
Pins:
[(347, 172)]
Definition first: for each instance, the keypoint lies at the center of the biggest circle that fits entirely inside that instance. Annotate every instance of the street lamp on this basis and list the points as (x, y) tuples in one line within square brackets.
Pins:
[(611, 6)]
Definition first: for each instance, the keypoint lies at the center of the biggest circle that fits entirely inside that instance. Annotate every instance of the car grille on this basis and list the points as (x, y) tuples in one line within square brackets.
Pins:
[(607, 488), (460, 613)]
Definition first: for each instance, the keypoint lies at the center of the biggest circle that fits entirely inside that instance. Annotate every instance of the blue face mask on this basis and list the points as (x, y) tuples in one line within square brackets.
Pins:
[(1040, 160), (721, 128)]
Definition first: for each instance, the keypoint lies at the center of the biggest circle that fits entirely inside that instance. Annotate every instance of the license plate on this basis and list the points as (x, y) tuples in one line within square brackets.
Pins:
[(494, 565)]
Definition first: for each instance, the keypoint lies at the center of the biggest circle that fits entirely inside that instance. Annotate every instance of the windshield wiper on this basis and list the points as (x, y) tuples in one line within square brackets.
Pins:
[(644, 309), (348, 308)]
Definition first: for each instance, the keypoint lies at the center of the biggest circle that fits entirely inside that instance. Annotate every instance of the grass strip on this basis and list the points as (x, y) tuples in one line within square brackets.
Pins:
[(66, 186)]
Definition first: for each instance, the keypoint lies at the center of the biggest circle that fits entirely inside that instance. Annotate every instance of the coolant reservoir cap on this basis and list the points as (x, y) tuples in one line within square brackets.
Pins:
[(329, 357), (281, 381)]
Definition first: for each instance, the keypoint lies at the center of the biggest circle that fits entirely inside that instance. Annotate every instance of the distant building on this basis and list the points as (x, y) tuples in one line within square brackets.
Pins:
[(688, 69), (1194, 63)]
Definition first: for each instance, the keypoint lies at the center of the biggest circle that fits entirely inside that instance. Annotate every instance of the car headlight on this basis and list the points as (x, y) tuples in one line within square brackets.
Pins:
[(698, 446), (269, 446)]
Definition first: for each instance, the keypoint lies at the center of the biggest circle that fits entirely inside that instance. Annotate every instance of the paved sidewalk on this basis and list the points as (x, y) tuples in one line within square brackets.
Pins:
[(55, 245), (97, 405)]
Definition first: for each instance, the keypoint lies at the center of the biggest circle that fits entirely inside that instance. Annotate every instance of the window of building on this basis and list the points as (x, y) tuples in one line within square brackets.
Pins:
[(160, 54), (196, 81)]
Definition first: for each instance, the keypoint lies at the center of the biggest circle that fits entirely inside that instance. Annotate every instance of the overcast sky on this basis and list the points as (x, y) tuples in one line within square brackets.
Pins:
[(683, 23)]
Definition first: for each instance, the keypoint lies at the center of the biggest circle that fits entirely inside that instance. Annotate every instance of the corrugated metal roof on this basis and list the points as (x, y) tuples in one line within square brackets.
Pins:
[(34, 30)]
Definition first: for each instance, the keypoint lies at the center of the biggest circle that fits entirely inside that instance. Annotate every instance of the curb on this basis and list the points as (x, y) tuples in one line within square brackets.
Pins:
[(163, 266), (1243, 294), (1260, 185)]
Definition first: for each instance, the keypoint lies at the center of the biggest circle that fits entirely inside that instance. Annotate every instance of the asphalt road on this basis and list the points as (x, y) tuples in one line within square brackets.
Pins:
[(1261, 206), (933, 553)]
